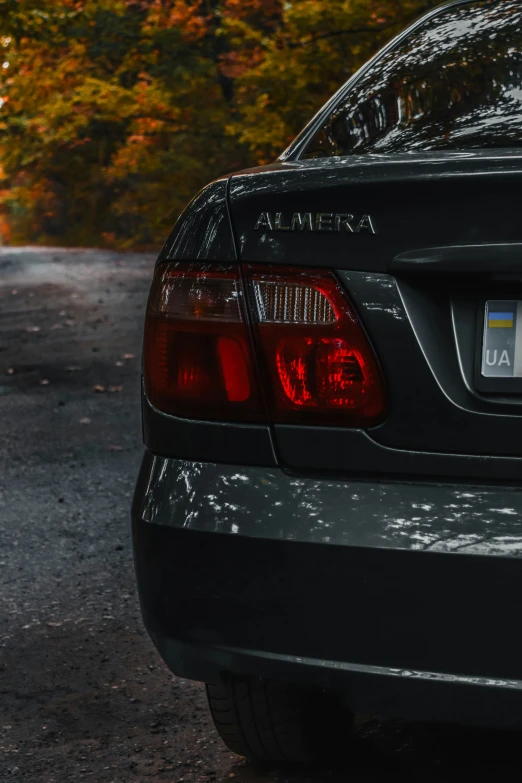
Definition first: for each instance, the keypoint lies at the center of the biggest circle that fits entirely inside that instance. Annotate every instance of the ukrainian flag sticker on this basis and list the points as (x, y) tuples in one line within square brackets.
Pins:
[(500, 320), (502, 339)]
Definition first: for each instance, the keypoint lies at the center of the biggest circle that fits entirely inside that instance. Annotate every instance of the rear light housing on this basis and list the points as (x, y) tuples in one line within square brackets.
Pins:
[(320, 365), (273, 344), (198, 358)]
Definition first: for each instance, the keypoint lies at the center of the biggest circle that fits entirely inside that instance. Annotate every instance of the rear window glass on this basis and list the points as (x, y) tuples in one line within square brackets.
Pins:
[(455, 83)]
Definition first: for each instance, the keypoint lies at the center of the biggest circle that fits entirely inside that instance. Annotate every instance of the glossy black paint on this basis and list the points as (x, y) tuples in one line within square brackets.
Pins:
[(416, 201), (355, 453), (173, 436), (392, 593), (371, 690), (203, 232), (432, 410), (363, 606), (341, 617), (461, 259), (452, 83), (266, 503), (385, 57)]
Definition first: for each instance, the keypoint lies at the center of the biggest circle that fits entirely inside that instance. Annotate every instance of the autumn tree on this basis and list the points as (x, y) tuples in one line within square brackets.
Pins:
[(115, 112), (314, 51)]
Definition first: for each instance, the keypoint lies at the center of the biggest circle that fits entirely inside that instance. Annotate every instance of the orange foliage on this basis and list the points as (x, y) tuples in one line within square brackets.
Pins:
[(115, 112), (190, 18), (264, 11)]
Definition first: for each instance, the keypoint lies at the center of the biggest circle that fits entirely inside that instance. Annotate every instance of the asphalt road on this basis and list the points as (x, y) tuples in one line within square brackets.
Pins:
[(83, 694)]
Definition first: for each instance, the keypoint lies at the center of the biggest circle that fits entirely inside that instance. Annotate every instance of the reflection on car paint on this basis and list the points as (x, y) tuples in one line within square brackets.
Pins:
[(203, 230), (449, 84), (390, 671), (383, 290), (263, 502)]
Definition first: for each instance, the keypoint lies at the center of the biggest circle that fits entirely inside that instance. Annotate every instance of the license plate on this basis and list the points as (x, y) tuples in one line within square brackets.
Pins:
[(502, 341)]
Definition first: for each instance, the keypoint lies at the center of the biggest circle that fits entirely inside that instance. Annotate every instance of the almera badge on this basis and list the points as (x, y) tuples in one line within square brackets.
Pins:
[(315, 221)]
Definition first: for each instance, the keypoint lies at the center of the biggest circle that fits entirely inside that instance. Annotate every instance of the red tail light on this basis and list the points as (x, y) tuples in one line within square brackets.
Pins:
[(321, 367), (197, 350), (316, 363)]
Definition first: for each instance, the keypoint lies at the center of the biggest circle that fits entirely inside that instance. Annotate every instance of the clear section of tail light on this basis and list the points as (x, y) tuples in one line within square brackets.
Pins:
[(181, 293), (319, 366), (281, 302), (198, 360)]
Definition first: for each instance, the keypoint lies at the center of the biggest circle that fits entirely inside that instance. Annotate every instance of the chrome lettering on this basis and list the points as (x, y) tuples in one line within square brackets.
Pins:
[(264, 221), (344, 222), (278, 223), (323, 221), (301, 221), (365, 224)]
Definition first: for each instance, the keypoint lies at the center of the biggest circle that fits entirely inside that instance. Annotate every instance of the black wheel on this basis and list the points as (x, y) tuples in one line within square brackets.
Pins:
[(274, 722)]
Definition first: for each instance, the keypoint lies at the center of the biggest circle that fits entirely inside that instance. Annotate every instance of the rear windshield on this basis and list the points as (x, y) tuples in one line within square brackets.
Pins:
[(455, 83)]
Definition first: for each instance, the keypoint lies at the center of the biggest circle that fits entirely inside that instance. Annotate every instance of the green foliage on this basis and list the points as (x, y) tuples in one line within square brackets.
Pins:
[(115, 112)]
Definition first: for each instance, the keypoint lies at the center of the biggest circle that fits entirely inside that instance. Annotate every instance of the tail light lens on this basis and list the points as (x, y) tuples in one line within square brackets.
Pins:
[(321, 366), (316, 363), (197, 352)]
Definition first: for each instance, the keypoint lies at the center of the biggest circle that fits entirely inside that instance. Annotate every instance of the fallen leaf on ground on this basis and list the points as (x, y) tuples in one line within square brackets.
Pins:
[(85, 420), (70, 322), (129, 356), (115, 448), (32, 328), (44, 382), (98, 388), (115, 388)]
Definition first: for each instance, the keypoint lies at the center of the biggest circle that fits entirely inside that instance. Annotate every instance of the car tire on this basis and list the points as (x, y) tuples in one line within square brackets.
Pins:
[(273, 722)]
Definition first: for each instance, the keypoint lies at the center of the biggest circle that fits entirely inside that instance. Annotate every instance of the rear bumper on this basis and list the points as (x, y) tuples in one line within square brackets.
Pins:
[(370, 690), (363, 588)]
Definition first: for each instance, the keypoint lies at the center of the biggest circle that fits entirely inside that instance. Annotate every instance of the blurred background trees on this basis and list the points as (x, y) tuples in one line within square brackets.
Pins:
[(113, 113)]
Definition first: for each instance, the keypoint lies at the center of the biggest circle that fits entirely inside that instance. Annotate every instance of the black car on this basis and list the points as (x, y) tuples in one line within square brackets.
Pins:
[(328, 515)]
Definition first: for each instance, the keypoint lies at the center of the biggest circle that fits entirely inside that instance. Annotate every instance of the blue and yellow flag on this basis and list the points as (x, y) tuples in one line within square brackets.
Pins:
[(500, 320)]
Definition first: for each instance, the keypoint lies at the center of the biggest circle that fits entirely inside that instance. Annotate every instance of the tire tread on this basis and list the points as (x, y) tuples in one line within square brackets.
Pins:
[(273, 722)]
